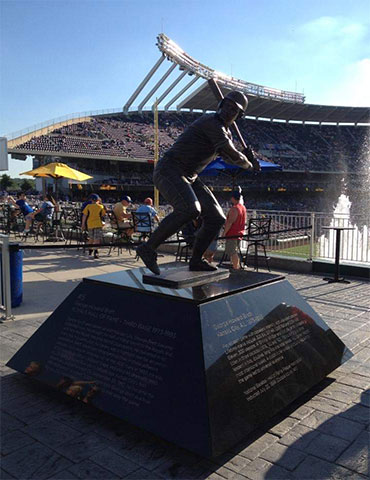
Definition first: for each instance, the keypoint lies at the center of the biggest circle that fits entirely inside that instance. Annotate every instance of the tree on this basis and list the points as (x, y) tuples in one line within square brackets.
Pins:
[(26, 185), (5, 182)]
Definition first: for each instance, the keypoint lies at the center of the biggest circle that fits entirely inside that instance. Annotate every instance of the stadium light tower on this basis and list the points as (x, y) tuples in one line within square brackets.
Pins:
[(188, 65)]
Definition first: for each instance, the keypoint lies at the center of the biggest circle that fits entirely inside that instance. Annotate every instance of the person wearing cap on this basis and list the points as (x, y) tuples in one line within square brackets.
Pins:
[(147, 207), (176, 177), (235, 228), (121, 214), (92, 218)]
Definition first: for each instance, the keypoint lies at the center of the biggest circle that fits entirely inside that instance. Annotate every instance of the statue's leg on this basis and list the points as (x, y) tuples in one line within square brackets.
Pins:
[(213, 219), (180, 194)]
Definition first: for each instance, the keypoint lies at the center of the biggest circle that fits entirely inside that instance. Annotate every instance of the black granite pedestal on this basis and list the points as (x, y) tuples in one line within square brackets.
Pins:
[(200, 366)]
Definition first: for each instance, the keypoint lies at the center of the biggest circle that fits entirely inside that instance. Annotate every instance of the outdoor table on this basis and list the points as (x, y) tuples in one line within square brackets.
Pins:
[(337, 254)]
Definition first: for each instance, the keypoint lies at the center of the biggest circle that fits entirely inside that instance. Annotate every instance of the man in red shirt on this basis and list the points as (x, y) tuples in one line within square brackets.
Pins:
[(235, 227)]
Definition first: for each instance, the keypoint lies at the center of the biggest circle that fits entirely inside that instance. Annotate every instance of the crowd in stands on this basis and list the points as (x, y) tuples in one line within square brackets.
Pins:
[(294, 146)]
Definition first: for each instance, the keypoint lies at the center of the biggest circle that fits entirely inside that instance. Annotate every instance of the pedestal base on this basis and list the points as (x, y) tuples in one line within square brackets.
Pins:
[(201, 366), (178, 276)]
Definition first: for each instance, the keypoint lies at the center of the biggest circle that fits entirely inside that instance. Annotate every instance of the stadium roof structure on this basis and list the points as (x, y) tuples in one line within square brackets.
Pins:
[(264, 102)]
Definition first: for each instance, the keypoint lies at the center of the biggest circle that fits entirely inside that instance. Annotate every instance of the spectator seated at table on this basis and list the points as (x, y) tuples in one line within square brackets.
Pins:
[(46, 211), (25, 208), (122, 216), (147, 207)]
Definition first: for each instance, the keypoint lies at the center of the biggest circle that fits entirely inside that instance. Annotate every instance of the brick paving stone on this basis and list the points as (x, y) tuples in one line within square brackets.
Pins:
[(198, 470), (363, 370), (363, 354), (142, 474), (327, 447), (299, 437), (89, 469), (12, 387), (215, 476), (82, 447), (326, 405), (51, 432), (315, 419), (349, 366), (357, 413), (341, 393), (355, 381), (181, 471), (235, 463), (152, 455), (283, 456), (356, 457), (301, 412), (260, 469), (37, 407), (79, 418), (224, 472), (5, 475), (313, 468), (12, 441), (13, 390), (353, 339), (9, 423), (178, 465), (253, 450), (341, 427), (283, 427), (115, 463), (209, 467), (35, 461), (63, 475)]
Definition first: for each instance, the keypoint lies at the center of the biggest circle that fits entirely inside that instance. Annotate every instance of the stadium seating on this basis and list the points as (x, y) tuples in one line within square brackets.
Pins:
[(298, 148), (294, 146)]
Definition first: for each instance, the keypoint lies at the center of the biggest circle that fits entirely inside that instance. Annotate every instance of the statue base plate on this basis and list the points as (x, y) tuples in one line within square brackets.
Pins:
[(180, 276)]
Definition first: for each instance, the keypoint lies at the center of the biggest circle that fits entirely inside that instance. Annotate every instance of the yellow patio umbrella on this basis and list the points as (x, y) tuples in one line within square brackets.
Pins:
[(57, 170)]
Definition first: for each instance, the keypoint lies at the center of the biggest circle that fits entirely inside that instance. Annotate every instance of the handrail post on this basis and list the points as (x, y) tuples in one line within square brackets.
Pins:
[(312, 240), (5, 279)]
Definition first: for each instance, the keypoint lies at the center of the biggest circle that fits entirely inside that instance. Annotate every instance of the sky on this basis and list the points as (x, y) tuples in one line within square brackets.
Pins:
[(59, 57)]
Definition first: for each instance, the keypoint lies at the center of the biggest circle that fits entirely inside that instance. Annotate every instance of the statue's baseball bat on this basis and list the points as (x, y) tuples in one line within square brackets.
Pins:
[(219, 96)]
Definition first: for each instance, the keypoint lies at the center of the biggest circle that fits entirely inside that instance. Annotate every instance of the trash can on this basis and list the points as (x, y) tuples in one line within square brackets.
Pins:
[(16, 274)]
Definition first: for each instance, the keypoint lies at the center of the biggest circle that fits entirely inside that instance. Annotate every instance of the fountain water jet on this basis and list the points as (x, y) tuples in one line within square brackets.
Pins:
[(355, 244)]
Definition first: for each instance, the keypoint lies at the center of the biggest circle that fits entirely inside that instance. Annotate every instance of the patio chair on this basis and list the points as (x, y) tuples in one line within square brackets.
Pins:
[(143, 226), (121, 235), (258, 234)]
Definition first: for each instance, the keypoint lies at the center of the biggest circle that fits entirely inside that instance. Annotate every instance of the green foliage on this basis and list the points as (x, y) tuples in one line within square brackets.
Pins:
[(27, 185), (5, 182)]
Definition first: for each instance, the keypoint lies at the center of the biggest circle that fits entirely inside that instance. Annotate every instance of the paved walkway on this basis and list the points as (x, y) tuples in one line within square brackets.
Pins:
[(324, 435)]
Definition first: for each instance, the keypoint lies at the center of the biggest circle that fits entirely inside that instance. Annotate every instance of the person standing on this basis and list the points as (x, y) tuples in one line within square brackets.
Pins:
[(176, 177), (235, 228), (92, 217)]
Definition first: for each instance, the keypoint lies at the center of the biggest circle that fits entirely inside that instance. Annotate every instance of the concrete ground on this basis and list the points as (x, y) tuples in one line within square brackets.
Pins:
[(324, 435)]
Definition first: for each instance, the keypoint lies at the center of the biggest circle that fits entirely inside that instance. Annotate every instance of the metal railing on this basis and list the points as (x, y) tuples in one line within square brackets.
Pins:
[(307, 239), (5, 286), (56, 121)]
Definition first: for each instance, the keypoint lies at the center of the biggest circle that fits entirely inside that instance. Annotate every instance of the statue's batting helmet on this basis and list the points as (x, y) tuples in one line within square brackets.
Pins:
[(240, 100)]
